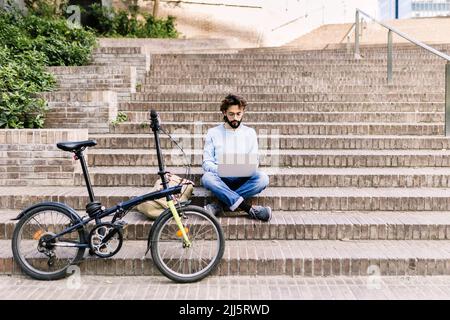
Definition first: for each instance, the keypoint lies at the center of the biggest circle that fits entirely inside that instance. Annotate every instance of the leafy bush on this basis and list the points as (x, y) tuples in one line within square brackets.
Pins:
[(21, 77), (27, 45), (61, 45)]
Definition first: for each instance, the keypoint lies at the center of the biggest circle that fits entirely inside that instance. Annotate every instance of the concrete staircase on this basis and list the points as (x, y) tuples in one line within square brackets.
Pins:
[(359, 171)]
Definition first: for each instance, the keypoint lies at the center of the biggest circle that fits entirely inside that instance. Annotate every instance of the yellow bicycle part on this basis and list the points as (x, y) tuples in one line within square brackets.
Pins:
[(179, 224)]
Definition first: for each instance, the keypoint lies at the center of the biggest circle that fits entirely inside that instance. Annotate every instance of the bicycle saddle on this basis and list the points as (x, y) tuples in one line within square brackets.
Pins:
[(75, 145)]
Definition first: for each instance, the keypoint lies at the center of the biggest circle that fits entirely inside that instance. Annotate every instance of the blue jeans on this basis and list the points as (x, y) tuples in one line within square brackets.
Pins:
[(232, 191)]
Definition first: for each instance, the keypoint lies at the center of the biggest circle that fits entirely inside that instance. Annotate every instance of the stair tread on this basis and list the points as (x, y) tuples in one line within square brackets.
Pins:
[(301, 217), (340, 123), (127, 191), (265, 250), (291, 112), (144, 135), (297, 152), (150, 170)]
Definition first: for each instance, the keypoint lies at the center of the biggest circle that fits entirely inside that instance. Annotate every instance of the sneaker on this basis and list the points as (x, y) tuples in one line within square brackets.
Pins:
[(260, 213), (214, 209)]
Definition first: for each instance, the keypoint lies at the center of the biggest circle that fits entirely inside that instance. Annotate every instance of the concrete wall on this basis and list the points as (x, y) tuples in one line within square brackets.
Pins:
[(297, 18), (251, 23)]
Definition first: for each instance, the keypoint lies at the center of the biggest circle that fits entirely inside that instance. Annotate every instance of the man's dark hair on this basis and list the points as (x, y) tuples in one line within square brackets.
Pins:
[(232, 100)]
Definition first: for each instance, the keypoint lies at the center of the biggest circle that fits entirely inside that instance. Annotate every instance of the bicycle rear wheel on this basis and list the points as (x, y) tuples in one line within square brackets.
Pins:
[(180, 263), (41, 259)]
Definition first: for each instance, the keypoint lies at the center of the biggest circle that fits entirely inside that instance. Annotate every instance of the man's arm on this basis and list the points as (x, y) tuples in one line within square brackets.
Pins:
[(209, 161)]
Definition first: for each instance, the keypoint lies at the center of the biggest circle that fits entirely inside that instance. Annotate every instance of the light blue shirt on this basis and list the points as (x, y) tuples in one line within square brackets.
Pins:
[(221, 140)]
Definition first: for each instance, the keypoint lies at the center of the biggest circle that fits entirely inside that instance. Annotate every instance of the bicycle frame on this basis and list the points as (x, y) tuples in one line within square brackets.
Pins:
[(123, 206), (126, 205)]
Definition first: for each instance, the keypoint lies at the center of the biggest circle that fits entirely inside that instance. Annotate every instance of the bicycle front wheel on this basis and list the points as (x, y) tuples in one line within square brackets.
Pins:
[(187, 264)]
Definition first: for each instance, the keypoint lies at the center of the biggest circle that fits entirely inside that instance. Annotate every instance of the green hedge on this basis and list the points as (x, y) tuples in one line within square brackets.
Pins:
[(27, 45)]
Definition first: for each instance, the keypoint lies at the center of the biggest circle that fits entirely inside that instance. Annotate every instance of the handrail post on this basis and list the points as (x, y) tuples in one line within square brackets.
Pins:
[(357, 55), (447, 99), (389, 58)]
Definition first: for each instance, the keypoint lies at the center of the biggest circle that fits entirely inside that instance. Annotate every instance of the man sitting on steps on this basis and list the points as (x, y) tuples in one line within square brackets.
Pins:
[(235, 138)]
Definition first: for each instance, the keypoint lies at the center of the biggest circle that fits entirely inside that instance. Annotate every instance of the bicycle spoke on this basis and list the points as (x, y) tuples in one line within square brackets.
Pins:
[(198, 231), (37, 226), (195, 236), (196, 260)]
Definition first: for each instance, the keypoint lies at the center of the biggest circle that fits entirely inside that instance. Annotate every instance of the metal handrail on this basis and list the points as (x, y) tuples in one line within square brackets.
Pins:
[(403, 35), (348, 32), (347, 35), (389, 58)]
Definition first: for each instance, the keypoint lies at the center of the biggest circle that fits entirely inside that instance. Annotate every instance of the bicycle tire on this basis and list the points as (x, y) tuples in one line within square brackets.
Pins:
[(24, 265), (156, 241)]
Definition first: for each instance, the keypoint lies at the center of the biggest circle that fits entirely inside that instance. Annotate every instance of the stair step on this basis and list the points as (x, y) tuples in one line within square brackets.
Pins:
[(94, 70), (376, 80), (295, 117), (117, 50), (281, 158), (286, 177), (278, 198), (409, 69), (401, 49), (183, 106), (305, 71), (298, 225), (295, 54), (301, 97), (288, 60), (293, 257), (311, 75), (416, 63), (64, 97), (300, 128), (139, 141), (287, 89)]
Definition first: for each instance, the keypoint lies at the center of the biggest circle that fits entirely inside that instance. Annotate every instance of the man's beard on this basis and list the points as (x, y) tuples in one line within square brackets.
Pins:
[(234, 124)]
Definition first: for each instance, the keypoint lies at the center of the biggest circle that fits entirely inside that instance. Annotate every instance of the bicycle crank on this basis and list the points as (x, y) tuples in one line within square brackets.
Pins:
[(105, 239)]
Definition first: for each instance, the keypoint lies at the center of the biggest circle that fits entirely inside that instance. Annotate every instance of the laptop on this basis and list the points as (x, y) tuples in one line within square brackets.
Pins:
[(237, 165)]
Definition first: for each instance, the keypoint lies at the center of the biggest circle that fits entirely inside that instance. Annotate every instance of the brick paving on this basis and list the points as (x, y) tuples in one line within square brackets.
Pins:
[(227, 288)]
